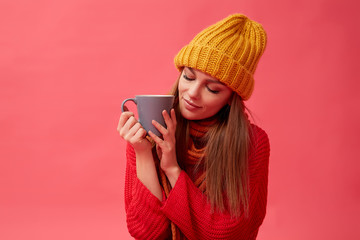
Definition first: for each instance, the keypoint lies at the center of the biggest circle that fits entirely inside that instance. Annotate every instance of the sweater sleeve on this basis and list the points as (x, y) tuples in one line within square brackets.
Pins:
[(189, 209), (143, 215)]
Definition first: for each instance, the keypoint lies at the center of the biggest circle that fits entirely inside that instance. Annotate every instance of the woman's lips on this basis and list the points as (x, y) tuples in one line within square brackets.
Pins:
[(190, 106)]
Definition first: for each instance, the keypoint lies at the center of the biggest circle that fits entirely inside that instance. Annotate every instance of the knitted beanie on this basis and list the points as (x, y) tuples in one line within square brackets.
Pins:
[(229, 50)]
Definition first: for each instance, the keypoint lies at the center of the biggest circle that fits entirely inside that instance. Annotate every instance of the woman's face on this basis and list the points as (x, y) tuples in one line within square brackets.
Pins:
[(200, 95)]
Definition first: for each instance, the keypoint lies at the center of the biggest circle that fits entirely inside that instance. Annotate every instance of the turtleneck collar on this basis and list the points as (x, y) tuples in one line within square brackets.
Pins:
[(198, 128)]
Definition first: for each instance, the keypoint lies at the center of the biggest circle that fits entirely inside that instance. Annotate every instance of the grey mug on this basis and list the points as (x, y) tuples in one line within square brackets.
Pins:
[(150, 107)]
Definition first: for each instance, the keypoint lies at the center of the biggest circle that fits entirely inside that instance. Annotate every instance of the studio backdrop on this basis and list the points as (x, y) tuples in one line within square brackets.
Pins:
[(66, 66)]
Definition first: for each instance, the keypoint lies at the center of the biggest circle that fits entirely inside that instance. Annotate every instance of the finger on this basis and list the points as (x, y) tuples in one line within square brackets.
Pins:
[(139, 135), (134, 134), (159, 127), (158, 151), (173, 116), (123, 119), (133, 129), (168, 120), (156, 139), (124, 130)]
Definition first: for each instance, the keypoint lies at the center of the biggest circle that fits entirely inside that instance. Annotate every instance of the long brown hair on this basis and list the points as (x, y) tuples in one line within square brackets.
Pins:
[(226, 155)]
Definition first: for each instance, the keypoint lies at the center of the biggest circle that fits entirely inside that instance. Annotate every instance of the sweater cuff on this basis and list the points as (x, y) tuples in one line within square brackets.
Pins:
[(144, 218), (178, 194), (140, 192)]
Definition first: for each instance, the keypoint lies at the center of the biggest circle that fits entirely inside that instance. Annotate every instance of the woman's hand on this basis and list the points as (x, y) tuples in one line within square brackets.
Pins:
[(166, 146), (132, 132)]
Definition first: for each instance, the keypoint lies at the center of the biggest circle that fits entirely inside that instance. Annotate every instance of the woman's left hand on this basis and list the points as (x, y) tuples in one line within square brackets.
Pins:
[(166, 146)]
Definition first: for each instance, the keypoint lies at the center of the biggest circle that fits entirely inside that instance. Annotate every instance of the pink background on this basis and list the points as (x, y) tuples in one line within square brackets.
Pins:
[(65, 67)]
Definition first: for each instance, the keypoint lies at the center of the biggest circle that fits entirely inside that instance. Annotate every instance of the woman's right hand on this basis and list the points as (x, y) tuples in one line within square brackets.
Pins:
[(132, 132)]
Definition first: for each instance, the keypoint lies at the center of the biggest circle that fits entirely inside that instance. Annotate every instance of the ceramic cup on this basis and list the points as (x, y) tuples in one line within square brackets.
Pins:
[(150, 107)]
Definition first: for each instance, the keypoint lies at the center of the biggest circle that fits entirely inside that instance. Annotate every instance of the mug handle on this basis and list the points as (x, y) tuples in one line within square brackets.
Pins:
[(123, 103)]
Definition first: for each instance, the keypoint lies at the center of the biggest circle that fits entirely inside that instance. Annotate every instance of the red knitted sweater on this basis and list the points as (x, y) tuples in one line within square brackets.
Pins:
[(187, 206)]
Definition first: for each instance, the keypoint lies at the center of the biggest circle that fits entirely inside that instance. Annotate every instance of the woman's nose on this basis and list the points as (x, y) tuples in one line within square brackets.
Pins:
[(194, 91)]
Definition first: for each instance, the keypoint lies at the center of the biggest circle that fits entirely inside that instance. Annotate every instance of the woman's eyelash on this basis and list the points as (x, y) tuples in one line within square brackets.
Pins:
[(213, 91), (191, 79), (187, 78)]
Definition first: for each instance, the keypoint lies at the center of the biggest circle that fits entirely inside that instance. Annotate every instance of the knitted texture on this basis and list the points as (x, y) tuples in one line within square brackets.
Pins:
[(195, 156), (196, 151), (229, 50), (187, 206)]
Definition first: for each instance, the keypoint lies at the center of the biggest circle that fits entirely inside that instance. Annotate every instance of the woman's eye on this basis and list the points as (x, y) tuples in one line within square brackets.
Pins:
[(213, 91), (188, 78)]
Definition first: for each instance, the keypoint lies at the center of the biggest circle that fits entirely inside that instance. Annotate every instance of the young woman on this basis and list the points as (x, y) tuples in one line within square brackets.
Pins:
[(206, 177)]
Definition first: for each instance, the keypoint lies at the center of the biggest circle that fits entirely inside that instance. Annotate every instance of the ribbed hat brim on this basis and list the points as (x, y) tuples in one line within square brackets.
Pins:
[(212, 62)]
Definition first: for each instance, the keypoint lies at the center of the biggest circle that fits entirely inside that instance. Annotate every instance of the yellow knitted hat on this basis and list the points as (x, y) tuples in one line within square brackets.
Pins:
[(229, 50)]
